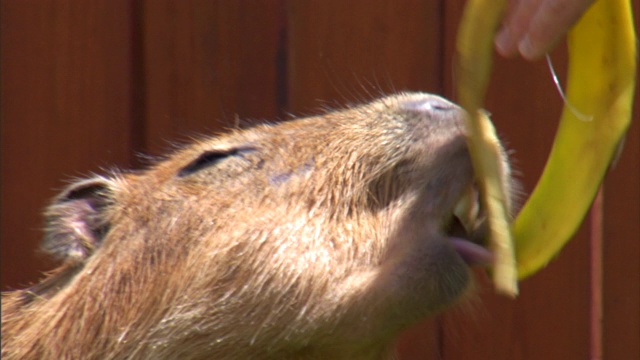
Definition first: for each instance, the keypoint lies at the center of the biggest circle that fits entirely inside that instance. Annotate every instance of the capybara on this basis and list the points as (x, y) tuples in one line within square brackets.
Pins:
[(316, 238)]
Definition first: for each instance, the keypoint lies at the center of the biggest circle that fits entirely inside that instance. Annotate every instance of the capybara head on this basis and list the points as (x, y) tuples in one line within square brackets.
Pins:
[(321, 237)]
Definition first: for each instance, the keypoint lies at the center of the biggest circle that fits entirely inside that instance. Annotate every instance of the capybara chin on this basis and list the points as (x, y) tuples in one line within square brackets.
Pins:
[(321, 237)]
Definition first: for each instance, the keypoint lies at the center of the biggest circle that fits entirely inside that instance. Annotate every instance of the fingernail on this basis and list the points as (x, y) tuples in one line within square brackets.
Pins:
[(526, 49), (503, 42)]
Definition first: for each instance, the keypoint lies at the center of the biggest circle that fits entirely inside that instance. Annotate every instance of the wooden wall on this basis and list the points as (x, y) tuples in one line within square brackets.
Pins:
[(88, 85)]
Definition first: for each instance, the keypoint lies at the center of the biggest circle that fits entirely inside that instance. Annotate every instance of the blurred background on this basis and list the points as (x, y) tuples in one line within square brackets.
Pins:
[(92, 85)]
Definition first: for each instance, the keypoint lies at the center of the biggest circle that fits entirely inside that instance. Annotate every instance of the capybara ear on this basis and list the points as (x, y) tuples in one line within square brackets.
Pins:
[(76, 221)]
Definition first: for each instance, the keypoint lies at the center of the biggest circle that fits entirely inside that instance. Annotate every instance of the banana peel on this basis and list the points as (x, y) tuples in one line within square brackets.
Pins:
[(601, 83), (475, 48)]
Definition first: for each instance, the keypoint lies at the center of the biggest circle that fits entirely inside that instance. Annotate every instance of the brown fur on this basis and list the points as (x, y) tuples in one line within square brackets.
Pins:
[(321, 237)]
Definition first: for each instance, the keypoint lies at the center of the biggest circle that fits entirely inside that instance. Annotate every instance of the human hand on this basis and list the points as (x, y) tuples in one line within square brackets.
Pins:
[(532, 27)]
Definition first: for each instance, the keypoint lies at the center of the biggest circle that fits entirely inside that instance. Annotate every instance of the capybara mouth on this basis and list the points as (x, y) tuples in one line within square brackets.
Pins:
[(466, 229)]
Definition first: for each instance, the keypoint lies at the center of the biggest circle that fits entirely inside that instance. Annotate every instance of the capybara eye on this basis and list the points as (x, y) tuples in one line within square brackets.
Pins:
[(205, 160), (213, 157)]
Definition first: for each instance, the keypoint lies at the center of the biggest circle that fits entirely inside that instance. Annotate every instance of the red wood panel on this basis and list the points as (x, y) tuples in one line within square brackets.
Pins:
[(209, 63), (346, 51), (65, 111)]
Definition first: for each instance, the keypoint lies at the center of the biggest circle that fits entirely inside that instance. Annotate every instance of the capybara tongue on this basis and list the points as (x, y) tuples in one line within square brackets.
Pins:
[(471, 253)]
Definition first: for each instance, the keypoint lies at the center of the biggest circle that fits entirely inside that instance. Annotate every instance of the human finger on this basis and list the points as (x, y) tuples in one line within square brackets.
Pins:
[(549, 24)]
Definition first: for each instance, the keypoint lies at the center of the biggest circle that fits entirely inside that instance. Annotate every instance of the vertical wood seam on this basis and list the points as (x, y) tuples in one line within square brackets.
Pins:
[(442, 28), (138, 107), (282, 61), (595, 277)]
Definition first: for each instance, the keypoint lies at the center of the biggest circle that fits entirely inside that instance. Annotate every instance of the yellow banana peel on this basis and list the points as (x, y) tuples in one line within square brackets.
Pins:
[(475, 47), (601, 82)]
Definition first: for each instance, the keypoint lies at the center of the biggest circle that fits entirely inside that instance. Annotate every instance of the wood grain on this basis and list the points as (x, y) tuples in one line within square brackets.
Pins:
[(346, 51), (208, 64)]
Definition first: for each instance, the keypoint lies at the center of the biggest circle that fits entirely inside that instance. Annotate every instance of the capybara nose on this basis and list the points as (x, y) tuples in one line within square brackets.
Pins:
[(429, 103)]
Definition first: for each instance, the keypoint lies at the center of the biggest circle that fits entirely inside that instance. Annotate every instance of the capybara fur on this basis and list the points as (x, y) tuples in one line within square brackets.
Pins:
[(316, 238)]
